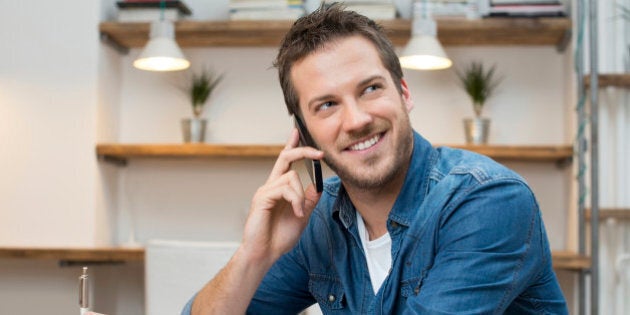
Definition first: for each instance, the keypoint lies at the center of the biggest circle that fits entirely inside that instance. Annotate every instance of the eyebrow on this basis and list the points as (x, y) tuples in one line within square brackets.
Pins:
[(318, 99), (370, 79), (329, 96)]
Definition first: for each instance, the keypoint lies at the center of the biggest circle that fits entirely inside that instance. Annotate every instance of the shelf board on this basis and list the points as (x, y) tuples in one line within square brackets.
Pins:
[(197, 150), (561, 260), (610, 213), (527, 153), (621, 80), (122, 152), (565, 260), (451, 32), (93, 255)]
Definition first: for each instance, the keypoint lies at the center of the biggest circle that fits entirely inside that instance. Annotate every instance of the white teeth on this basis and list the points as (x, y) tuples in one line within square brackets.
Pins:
[(365, 144)]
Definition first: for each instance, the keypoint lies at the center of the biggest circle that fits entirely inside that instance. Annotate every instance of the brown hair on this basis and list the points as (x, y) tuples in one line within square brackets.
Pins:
[(326, 24)]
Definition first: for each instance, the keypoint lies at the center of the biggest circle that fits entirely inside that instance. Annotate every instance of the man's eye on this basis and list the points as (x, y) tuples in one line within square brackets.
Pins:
[(324, 106), (371, 88)]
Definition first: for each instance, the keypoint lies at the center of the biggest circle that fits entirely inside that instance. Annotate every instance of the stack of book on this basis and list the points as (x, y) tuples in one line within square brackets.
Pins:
[(450, 8), (150, 10), (526, 8), (374, 9), (266, 9)]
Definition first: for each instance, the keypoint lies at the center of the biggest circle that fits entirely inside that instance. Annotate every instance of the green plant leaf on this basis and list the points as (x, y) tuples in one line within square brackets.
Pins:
[(200, 89), (479, 83)]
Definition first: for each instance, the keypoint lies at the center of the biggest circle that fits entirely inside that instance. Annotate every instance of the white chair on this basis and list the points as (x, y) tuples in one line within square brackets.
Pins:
[(175, 271)]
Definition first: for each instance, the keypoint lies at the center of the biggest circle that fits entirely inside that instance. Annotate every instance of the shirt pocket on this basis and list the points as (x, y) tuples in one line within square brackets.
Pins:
[(327, 290)]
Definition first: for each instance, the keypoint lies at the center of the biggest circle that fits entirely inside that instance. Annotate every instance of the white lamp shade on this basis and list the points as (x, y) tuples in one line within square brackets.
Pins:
[(162, 52), (424, 52)]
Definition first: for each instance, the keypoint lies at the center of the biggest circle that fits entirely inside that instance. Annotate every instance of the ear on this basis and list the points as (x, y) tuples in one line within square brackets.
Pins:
[(406, 95)]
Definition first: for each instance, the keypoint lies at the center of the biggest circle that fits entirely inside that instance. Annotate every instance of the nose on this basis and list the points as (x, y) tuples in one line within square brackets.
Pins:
[(355, 117)]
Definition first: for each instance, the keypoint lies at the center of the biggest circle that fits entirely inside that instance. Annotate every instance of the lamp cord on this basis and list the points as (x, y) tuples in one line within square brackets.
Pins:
[(162, 8)]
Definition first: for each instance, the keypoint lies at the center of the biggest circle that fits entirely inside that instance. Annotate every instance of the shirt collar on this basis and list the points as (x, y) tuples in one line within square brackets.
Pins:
[(411, 194), (416, 184)]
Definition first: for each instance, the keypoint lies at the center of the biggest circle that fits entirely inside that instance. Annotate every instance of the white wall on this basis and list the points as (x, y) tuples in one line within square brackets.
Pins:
[(48, 108), (61, 92), (48, 116)]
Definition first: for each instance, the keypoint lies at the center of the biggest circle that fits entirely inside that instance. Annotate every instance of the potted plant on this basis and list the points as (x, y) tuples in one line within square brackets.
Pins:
[(199, 91), (479, 83)]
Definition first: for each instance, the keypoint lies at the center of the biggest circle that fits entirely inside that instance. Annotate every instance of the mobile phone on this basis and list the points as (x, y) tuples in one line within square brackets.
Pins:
[(314, 167)]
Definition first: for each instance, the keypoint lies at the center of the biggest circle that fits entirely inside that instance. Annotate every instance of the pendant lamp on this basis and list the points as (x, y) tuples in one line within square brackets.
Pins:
[(424, 51), (162, 52)]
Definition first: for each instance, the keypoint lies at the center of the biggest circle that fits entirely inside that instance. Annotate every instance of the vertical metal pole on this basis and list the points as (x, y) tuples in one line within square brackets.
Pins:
[(581, 149), (593, 39)]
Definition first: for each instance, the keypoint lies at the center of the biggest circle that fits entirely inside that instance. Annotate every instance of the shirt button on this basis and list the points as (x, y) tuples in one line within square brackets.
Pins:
[(416, 290), (331, 298), (394, 224)]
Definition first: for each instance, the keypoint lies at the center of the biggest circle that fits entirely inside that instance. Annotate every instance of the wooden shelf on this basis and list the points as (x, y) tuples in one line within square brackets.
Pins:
[(610, 213), (451, 32), (561, 259), (540, 153), (565, 260), (90, 255), (121, 152), (621, 80)]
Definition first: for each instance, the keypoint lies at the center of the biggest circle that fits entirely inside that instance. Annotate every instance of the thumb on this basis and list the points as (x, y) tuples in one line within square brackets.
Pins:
[(311, 198)]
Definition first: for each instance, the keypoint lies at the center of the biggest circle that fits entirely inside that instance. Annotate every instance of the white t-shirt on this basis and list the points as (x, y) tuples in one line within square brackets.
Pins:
[(378, 254)]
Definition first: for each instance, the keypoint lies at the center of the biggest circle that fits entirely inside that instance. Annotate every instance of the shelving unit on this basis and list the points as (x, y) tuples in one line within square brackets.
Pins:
[(120, 153), (621, 80), (451, 32), (561, 260), (609, 213), (75, 255), (564, 260)]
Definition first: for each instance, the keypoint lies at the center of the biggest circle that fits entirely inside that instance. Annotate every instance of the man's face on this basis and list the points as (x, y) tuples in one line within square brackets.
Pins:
[(354, 112)]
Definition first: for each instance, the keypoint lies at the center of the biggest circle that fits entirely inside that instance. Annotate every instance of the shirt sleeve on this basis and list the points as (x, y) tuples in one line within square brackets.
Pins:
[(284, 289), (490, 246), (188, 307)]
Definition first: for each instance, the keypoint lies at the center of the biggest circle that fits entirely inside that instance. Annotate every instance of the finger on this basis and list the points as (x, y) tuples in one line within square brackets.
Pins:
[(282, 163), (293, 197), (296, 185), (291, 181), (311, 198), (291, 154), (287, 193), (268, 196), (294, 139)]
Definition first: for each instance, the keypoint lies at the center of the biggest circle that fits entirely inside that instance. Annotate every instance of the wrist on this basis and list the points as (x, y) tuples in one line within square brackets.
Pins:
[(252, 260)]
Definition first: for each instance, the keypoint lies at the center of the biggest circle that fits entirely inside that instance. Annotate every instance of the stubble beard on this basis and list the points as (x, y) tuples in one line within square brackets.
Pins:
[(376, 181)]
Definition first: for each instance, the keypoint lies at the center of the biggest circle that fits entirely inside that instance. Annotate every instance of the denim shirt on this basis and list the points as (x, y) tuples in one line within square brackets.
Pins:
[(467, 238)]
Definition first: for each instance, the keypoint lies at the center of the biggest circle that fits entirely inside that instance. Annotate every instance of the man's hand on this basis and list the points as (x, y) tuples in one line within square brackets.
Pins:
[(281, 207), (279, 213)]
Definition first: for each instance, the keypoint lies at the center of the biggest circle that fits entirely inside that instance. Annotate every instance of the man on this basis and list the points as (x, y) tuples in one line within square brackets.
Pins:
[(404, 228)]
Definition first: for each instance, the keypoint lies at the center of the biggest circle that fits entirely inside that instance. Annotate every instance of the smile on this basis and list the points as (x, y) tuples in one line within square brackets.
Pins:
[(365, 144)]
